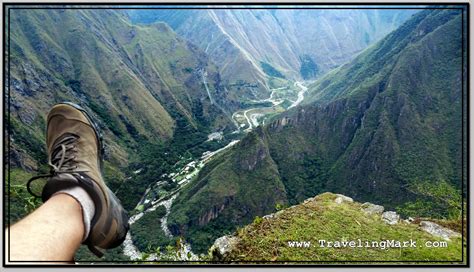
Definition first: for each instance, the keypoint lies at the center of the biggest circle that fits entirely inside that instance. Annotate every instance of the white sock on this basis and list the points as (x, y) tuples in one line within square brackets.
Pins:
[(87, 206)]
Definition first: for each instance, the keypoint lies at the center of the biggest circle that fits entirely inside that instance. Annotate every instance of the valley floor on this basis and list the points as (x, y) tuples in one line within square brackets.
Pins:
[(250, 118), (246, 120), (152, 201)]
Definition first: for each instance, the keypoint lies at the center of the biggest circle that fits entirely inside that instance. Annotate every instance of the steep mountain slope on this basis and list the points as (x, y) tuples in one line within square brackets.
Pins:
[(332, 228), (384, 128), (144, 85), (249, 45), (229, 191)]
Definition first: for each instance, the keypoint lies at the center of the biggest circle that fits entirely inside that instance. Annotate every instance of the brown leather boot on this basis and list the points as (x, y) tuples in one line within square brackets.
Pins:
[(75, 155)]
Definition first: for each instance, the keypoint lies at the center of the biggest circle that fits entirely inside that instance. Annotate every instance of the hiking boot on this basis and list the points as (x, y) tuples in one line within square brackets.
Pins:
[(75, 155)]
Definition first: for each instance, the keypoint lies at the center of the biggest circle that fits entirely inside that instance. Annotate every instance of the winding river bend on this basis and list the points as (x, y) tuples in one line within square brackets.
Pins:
[(184, 252), (300, 94), (252, 115)]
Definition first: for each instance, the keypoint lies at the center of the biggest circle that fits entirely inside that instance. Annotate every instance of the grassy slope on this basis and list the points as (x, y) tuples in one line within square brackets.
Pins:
[(144, 74), (142, 84), (239, 76), (323, 219), (74, 50), (378, 125)]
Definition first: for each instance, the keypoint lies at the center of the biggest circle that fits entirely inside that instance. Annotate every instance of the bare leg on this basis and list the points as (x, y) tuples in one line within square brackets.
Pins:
[(53, 232)]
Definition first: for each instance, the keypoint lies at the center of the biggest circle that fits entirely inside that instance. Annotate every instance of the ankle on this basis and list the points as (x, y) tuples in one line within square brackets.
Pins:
[(86, 205)]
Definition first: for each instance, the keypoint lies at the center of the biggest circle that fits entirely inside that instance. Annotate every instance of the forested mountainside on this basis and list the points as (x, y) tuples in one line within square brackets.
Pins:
[(250, 45), (152, 91), (147, 88), (385, 127)]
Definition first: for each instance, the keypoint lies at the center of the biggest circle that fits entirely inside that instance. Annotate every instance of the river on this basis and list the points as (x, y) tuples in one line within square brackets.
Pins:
[(300, 94), (184, 253), (252, 115)]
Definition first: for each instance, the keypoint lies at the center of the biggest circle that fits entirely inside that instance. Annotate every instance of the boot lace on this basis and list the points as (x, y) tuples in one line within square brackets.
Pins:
[(61, 160)]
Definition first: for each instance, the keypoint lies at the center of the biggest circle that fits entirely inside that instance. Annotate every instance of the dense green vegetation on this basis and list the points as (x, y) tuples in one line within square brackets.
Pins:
[(309, 69), (83, 254), (28, 138), (112, 71), (374, 129), (154, 160), (147, 233), (270, 70), (434, 199), (20, 202), (218, 201)]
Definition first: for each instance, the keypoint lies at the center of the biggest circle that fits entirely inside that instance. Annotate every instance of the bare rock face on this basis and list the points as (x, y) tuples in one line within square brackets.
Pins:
[(370, 208), (437, 230), (390, 217), (222, 246), (19, 158), (342, 198)]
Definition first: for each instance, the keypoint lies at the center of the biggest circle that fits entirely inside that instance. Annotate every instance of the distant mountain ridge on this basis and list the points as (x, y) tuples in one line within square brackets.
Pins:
[(300, 44)]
